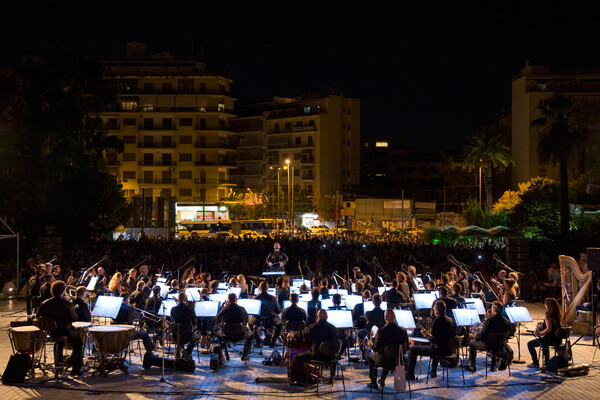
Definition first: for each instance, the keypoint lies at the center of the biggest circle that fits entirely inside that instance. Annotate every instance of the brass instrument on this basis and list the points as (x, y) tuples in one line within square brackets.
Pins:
[(476, 329), (71, 292)]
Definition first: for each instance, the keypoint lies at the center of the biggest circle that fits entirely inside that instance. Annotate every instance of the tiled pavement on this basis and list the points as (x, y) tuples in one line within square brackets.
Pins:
[(235, 381)]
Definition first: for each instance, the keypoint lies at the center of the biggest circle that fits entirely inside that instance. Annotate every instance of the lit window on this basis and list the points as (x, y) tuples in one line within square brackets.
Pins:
[(306, 110), (221, 106), (128, 105), (148, 107), (381, 144)]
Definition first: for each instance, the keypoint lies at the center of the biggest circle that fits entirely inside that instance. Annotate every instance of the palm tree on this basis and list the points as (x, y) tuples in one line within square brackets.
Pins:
[(562, 135), (488, 153)]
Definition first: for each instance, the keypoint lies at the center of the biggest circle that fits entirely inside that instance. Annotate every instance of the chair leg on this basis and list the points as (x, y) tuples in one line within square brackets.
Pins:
[(428, 369), (343, 380), (486, 365)]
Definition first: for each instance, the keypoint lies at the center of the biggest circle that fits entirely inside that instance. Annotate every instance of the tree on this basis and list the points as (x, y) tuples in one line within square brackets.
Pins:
[(52, 148), (562, 134), (489, 154)]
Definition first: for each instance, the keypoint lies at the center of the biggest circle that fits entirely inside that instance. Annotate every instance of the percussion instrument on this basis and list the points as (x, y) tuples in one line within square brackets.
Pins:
[(419, 340), (26, 339), (82, 328), (110, 341)]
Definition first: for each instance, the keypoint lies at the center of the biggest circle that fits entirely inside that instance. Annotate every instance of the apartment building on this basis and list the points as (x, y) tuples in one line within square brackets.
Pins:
[(317, 133), (531, 87), (173, 118)]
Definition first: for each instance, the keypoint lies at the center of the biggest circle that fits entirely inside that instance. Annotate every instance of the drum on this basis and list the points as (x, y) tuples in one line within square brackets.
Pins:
[(419, 340), (111, 339), (82, 328), (26, 339)]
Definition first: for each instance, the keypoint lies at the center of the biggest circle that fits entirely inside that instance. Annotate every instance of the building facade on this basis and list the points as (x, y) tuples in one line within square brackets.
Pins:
[(174, 120), (534, 85), (318, 133)]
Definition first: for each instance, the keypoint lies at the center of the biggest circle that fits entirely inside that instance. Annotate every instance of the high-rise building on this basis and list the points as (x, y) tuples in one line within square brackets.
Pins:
[(173, 118), (533, 86), (318, 133)]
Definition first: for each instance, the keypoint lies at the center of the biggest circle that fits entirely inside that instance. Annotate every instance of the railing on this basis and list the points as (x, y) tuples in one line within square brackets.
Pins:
[(113, 163), (288, 145), (158, 181), (143, 145), (144, 127), (294, 129), (157, 163), (200, 145), (223, 163)]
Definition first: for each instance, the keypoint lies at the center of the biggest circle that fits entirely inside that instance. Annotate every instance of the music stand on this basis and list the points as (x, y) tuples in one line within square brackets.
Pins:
[(252, 306), (92, 284), (193, 294), (162, 378), (424, 300), (369, 306), (477, 303), (165, 308), (206, 309), (405, 319), (419, 283), (302, 304), (517, 315), (107, 306), (341, 319), (352, 300), (466, 316)]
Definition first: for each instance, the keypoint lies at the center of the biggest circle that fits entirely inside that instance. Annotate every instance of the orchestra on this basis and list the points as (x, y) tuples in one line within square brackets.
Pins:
[(374, 326)]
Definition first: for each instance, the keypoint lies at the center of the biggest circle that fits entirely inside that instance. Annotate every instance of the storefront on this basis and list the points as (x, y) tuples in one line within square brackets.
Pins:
[(200, 212)]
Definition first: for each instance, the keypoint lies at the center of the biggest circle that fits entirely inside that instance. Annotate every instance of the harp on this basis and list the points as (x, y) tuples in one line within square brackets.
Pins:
[(575, 285)]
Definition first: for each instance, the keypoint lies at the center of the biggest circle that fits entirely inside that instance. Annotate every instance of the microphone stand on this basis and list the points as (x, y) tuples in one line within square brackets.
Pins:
[(308, 267), (192, 258), (162, 378)]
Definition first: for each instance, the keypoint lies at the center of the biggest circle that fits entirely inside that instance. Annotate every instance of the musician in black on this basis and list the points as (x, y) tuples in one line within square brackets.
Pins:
[(293, 316), (131, 280), (277, 259), (477, 290), (33, 288), (495, 323), (358, 313), (375, 317), (389, 335), (462, 276), (450, 303), (314, 304), (442, 332), (412, 271), (81, 307), (232, 314), (63, 313), (269, 312), (45, 292), (403, 286), (457, 289), (324, 288), (183, 315), (125, 316), (343, 334), (139, 298), (319, 332), (282, 292), (101, 282), (153, 306), (393, 296)]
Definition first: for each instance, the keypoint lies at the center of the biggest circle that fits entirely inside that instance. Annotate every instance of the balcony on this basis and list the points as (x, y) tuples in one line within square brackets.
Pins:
[(158, 181), (143, 145), (212, 182), (160, 163), (212, 127), (111, 127), (222, 163), (144, 127), (290, 145), (307, 160), (114, 163), (200, 145), (294, 129)]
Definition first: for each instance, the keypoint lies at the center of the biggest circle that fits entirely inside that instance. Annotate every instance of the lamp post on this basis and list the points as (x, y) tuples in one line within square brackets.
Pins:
[(278, 196), (290, 177)]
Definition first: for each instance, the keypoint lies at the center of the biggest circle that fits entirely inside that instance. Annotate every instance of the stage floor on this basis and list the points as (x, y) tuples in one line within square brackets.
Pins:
[(236, 381)]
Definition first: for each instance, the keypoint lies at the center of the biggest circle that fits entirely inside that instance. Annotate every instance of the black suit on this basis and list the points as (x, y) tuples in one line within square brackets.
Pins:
[(393, 297), (388, 335), (63, 313), (293, 313), (186, 318), (82, 310), (125, 316), (375, 317), (269, 311), (138, 298), (358, 316), (319, 332), (497, 323), (234, 314), (442, 332)]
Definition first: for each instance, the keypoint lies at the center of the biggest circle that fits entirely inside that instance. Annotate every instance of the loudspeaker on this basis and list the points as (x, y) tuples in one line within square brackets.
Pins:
[(593, 254)]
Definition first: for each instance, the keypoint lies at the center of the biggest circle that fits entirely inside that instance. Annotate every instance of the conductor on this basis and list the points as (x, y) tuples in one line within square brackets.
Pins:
[(277, 259)]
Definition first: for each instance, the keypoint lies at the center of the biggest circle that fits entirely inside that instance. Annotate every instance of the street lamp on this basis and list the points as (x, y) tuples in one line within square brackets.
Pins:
[(278, 196), (290, 169)]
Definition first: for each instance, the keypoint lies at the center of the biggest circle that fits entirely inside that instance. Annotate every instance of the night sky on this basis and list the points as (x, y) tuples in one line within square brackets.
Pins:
[(426, 71)]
